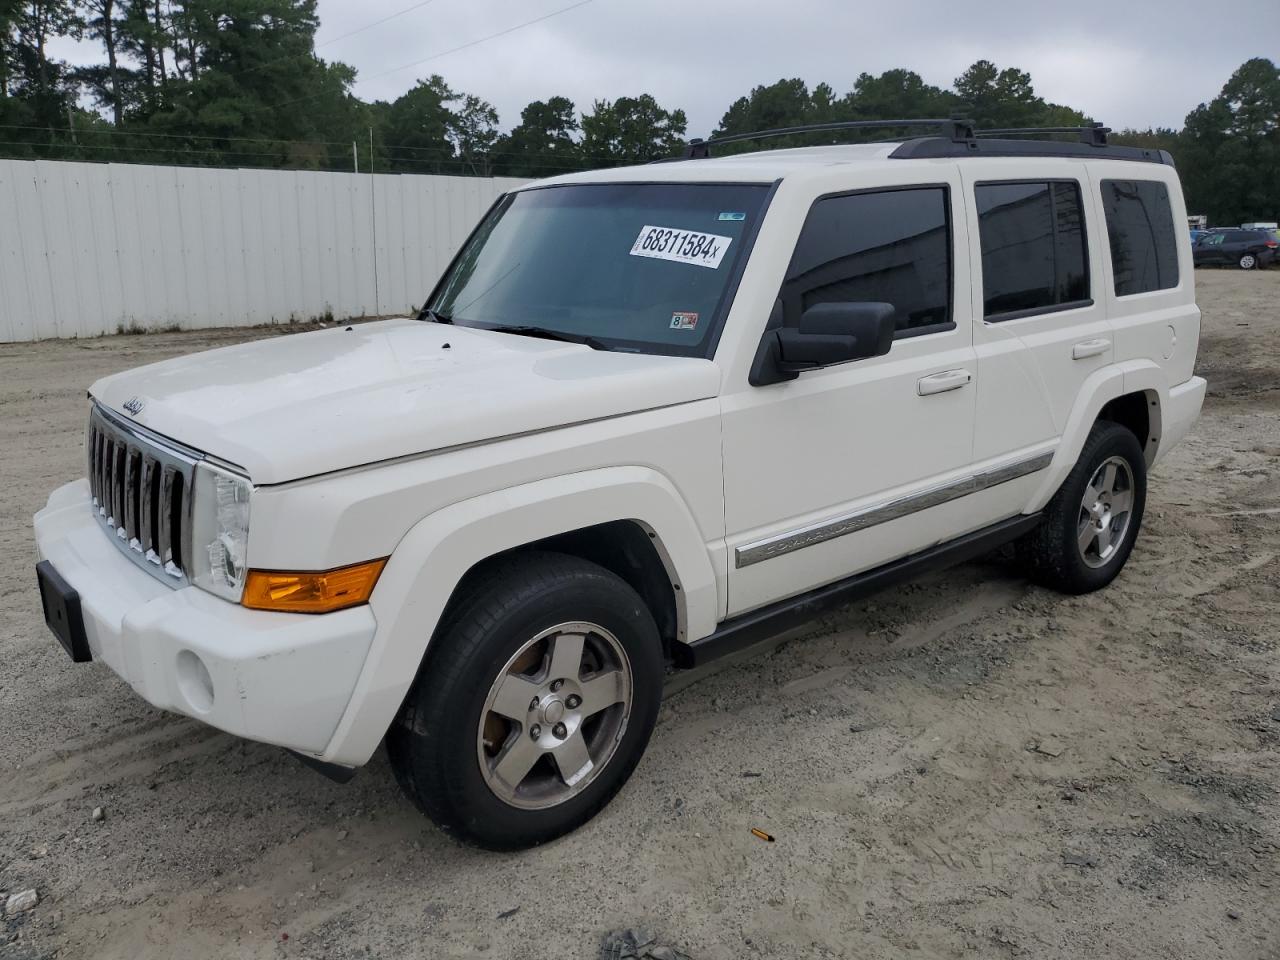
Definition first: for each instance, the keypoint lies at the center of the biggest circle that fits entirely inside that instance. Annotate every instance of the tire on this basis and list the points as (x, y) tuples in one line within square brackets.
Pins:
[(1247, 261), (1056, 553), (490, 699)]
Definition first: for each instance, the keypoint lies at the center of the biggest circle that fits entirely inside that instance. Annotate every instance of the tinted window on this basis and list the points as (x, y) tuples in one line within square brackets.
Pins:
[(891, 246), (1144, 252), (1072, 273), (1034, 251), (636, 266)]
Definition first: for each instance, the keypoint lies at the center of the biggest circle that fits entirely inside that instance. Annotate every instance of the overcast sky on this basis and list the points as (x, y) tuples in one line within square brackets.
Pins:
[(1126, 62)]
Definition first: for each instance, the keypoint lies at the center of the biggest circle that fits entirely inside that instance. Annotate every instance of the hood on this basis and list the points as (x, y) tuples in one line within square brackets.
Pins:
[(297, 406)]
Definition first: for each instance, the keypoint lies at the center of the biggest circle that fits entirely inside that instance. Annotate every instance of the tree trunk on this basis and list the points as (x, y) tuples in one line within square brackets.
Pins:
[(192, 51), (42, 62), (139, 10), (159, 23), (113, 69)]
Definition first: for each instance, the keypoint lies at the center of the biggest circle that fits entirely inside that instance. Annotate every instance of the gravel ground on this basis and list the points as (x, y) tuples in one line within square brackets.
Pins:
[(966, 766)]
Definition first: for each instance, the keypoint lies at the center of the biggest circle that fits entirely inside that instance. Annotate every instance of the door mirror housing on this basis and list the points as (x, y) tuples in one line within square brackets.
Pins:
[(831, 333)]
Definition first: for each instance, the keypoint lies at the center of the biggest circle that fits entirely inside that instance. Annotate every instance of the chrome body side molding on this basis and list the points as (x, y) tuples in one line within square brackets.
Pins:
[(784, 543)]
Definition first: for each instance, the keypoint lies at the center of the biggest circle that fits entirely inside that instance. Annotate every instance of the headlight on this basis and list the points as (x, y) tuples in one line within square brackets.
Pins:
[(220, 530)]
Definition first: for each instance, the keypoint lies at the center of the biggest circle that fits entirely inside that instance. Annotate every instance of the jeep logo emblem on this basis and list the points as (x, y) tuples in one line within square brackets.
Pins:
[(134, 406)]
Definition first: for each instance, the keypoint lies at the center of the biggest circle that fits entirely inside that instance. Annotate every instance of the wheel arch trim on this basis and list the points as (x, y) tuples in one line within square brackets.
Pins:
[(1099, 389), (437, 552)]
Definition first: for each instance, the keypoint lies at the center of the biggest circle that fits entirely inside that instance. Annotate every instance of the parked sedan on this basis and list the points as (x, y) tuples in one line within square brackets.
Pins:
[(1245, 249)]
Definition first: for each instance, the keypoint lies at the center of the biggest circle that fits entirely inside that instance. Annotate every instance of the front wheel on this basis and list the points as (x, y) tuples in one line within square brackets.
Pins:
[(1091, 523), (1248, 261), (536, 700)]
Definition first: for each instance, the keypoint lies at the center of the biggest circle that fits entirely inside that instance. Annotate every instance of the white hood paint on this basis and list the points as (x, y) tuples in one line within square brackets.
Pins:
[(297, 406)]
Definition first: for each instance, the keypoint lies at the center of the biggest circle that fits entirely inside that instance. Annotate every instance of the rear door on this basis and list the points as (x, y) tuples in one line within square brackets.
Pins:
[(1040, 326), (1227, 250)]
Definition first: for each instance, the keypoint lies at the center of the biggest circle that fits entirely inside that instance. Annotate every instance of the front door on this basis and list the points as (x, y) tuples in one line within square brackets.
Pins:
[(1212, 248), (834, 472)]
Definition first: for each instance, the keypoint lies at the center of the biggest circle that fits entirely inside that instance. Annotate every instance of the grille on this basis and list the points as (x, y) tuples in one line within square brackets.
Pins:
[(141, 487)]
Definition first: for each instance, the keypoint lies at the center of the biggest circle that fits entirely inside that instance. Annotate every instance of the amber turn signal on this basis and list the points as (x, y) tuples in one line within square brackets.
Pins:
[(321, 592)]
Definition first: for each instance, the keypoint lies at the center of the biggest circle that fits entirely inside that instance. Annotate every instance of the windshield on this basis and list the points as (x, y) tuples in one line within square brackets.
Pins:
[(630, 266)]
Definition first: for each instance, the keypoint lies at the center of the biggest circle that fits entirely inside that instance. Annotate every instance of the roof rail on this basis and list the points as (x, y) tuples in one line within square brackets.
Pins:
[(953, 128), (994, 145), (956, 137), (1094, 134)]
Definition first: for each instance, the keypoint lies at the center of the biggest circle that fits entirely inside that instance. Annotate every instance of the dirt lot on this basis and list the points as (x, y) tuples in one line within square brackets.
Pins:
[(967, 766)]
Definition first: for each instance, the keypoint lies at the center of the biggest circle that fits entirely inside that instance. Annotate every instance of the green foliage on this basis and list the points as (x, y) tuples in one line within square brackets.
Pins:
[(473, 131), (418, 124), (631, 130), (543, 143), (1229, 151), (786, 103), (898, 93), (239, 83), (32, 75), (996, 98)]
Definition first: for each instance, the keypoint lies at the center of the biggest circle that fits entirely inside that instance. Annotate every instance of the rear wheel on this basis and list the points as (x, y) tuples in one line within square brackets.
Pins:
[(1247, 261), (1091, 523), (537, 698)]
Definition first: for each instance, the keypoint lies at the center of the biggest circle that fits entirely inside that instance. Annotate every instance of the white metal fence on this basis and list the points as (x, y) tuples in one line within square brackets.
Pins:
[(90, 248)]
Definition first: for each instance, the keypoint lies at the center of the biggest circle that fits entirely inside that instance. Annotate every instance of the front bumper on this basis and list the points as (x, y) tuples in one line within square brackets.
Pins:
[(280, 678)]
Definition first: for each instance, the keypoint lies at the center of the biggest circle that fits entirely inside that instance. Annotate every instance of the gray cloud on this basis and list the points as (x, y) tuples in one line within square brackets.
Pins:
[(1126, 62)]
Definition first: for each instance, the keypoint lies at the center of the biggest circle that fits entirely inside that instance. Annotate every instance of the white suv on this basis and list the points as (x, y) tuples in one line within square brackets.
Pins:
[(647, 416)]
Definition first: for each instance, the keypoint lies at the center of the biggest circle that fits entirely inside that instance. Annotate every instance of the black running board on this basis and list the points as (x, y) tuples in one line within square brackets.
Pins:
[(750, 628)]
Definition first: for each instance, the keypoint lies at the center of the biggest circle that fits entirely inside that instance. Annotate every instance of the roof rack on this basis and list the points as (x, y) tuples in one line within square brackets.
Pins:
[(955, 128), (956, 137), (1094, 134)]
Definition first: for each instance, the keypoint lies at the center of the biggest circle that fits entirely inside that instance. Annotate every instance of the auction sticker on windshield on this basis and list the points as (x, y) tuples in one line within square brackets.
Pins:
[(681, 246)]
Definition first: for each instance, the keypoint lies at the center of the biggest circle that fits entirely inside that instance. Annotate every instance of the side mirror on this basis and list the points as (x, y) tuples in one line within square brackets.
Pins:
[(831, 333)]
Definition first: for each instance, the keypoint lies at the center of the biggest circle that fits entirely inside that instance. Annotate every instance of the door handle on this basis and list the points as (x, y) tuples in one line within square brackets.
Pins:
[(942, 382), (1090, 348)]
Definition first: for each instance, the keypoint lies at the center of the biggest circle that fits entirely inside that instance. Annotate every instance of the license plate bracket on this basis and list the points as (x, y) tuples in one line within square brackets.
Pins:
[(62, 612)]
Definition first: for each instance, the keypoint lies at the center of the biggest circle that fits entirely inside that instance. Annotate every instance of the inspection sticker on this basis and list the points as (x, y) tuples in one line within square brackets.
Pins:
[(681, 246), (683, 321)]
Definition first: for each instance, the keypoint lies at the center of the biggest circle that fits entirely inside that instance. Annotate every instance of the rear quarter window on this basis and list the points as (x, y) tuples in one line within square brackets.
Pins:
[(1144, 251)]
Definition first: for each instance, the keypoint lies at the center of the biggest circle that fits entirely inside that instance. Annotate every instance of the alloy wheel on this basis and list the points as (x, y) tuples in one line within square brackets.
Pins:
[(555, 715), (1105, 511)]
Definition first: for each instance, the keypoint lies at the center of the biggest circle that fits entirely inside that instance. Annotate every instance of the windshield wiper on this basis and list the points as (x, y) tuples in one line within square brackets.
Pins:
[(528, 330), (434, 316)]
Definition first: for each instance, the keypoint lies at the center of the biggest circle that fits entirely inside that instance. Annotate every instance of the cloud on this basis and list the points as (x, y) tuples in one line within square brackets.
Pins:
[(1137, 63), (1126, 62)]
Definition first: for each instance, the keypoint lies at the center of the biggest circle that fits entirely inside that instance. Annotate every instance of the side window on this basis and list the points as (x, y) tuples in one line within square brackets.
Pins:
[(1144, 251), (1035, 254), (1213, 240), (886, 246)]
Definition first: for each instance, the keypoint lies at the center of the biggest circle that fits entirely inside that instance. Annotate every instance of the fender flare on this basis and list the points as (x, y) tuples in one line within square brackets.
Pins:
[(440, 549), (1101, 387)]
